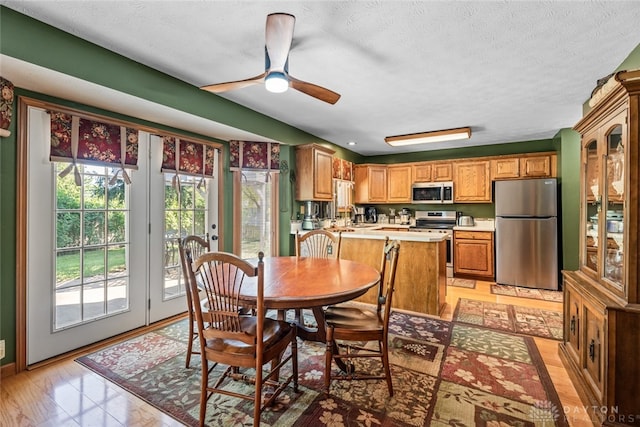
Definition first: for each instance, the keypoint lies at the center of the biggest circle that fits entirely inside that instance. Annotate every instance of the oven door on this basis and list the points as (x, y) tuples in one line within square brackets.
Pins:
[(426, 193)]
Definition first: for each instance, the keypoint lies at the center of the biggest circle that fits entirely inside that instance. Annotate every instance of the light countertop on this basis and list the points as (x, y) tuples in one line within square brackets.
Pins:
[(479, 225), (380, 231)]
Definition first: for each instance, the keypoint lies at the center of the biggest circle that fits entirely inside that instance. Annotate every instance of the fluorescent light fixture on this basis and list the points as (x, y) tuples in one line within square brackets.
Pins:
[(276, 82), (424, 137)]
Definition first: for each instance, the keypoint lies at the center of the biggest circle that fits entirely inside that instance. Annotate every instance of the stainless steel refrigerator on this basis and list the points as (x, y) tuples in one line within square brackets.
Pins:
[(527, 233)]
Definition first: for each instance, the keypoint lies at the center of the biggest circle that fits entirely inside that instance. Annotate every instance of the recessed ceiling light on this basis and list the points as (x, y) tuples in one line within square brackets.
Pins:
[(351, 143)]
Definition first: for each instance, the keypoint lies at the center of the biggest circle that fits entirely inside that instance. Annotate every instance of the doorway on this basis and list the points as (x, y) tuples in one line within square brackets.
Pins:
[(100, 259)]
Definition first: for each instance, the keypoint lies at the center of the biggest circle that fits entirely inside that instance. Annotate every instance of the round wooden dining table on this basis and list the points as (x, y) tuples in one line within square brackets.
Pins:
[(311, 283)]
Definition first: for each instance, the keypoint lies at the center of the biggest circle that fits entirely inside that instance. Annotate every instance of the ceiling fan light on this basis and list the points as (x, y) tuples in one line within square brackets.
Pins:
[(276, 82)]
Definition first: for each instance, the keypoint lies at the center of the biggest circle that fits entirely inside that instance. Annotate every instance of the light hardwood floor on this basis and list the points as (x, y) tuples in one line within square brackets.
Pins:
[(65, 393)]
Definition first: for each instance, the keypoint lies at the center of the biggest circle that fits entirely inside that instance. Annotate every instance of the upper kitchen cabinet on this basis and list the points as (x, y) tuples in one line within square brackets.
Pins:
[(421, 172), (399, 184), (472, 181), (505, 168), (314, 174), (441, 171), (370, 183), (539, 165), (602, 298)]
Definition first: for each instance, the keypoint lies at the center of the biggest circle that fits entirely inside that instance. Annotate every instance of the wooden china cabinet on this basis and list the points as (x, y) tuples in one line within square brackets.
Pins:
[(601, 346)]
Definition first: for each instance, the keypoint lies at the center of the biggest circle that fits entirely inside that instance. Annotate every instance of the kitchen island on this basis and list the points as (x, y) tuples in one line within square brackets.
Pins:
[(421, 282)]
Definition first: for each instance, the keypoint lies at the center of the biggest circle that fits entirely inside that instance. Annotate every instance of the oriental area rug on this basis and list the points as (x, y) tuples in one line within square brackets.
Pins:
[(510, 318), (444, 374), (517, 291)]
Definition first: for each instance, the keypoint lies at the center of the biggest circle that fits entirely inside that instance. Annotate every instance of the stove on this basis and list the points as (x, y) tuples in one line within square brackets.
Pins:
[(435, 220), (438, 222)]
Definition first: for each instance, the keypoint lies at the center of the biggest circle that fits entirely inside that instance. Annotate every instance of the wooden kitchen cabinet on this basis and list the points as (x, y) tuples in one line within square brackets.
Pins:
[(441, 171), (370, 183), (314, 174), (505, 168), (472, 182), (421, 172), (542, 165), (399, 184), (536, 167), (473, 254), (601, 339)]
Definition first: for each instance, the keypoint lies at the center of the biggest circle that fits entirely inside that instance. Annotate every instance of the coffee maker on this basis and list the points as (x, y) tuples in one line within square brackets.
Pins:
[(358, 215), (371, 214)]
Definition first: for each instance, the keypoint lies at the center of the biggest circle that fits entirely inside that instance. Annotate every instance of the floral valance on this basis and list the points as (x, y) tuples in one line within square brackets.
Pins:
[(6, 106), (187, 157), (254, 155), (79, 140)]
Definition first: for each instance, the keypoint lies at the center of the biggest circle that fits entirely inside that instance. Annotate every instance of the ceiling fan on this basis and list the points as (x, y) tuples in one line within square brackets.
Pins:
[(276, 78)]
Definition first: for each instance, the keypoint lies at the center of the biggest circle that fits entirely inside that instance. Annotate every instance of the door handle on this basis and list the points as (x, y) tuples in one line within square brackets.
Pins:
[(592, 350), (572, 325)]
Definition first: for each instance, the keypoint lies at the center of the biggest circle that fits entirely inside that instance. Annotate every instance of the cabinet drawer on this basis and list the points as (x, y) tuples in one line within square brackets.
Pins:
[(474, 235)]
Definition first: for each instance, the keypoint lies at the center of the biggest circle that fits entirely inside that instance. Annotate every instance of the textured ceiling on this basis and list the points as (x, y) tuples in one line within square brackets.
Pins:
[(512, 71)]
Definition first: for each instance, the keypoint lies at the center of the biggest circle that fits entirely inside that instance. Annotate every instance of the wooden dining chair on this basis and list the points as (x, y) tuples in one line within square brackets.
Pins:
[(316, 244), (196, 245), (228, 337), (347, 324)]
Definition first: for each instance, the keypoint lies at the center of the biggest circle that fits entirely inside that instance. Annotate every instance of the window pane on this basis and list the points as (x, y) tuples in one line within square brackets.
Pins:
[(93, 262), (68, 229), (68, 308), (115, 195), (94, 194), (172, 282), (67, 267), (69, 192), (186, 196), (170, 196), (186, 221), (200, 226), (117, 296), (116, 261), (116, 228), (200, 198), (94, 228), (93, 300)]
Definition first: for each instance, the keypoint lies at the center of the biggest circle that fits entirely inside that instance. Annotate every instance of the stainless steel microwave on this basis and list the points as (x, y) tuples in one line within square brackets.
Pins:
[(432, 192)]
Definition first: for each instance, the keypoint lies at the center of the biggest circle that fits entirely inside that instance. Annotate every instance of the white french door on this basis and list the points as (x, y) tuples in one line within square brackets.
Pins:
[(98, 259)]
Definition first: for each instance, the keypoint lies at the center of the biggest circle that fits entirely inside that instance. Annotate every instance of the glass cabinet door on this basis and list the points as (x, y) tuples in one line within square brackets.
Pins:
[(591, 209), (614, 203)]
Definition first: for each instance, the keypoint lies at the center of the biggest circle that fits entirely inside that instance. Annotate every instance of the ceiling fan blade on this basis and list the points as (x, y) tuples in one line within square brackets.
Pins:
[(238, 84), (278, 36), (318, 92)]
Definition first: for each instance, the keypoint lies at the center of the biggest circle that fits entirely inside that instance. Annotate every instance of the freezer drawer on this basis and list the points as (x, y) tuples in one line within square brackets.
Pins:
[(527, 252)]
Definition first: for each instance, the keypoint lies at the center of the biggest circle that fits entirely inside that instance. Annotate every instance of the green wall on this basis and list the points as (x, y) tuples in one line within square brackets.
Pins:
[(569, 181)]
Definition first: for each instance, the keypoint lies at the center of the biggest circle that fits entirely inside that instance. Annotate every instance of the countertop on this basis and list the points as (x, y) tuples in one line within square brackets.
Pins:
[(479, 225), (380, 231)]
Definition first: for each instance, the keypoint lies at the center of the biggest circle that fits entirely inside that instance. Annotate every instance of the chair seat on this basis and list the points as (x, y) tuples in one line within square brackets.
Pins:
[(345, 317), (274, 332)]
